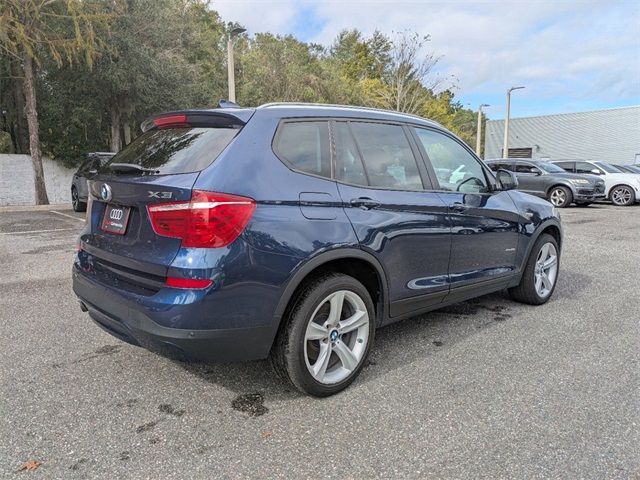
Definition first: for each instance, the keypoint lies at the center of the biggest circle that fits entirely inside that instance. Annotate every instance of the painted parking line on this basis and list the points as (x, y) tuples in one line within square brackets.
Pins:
[(68, 216), (27, 232)]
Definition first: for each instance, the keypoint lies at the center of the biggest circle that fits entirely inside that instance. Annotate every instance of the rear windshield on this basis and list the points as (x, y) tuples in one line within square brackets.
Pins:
[(175, 150)]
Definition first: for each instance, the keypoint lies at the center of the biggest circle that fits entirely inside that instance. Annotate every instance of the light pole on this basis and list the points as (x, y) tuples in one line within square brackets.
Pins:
[(479, 135), (230, 63), (505, 148)]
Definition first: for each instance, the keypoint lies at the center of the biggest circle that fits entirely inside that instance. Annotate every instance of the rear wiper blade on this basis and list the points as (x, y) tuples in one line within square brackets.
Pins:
[(131, 168)]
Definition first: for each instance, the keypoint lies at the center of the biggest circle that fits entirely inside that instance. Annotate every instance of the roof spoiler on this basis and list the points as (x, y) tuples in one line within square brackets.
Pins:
[(199, 118)]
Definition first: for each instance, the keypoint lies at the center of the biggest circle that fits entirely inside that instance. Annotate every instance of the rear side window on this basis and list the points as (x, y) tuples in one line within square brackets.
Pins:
[(175, 150), (305, 147), (387, 156)]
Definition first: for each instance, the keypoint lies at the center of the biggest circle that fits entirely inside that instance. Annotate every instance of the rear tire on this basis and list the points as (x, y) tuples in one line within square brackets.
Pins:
[(539, 281), (78, 206), (622, 195), (326, 336), (560, 197)]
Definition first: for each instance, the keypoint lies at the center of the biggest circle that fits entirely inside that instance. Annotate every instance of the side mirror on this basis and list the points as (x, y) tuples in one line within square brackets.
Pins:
[(595, 171), (506, 180)]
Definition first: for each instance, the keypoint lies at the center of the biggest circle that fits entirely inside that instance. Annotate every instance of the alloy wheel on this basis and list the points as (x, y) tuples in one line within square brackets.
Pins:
[(336, 337), (546, 270), (621, 196), (558, 197)]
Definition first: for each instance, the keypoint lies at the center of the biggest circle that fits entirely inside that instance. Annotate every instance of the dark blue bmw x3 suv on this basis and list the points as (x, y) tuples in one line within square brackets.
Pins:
[(293, 231)]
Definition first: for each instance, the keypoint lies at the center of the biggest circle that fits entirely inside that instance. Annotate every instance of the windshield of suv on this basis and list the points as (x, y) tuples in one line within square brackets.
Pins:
[(172, 150), (607, 167), (550, 167)]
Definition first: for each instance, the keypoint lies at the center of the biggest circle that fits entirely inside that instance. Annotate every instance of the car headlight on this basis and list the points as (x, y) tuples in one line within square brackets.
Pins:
[(579, 181)]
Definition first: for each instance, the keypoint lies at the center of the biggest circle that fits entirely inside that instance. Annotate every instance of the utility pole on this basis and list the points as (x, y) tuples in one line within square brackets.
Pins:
[(505, 148), (479, 134), (233, 34)]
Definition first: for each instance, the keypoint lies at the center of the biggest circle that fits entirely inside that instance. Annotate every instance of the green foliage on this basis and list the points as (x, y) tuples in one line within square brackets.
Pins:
[(148, 56), (5, 142)]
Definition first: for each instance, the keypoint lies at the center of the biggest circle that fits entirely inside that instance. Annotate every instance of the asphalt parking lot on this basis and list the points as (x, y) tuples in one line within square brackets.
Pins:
[(483, 389)]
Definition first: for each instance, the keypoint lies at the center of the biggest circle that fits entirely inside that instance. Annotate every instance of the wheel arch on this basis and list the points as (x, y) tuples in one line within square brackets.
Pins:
[(357, 263), (553, 228)]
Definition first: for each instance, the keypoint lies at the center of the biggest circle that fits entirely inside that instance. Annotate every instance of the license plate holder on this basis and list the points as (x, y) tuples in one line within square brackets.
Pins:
[(115, 219)]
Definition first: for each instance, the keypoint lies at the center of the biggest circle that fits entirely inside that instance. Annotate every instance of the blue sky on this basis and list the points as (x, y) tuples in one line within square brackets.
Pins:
[(571, 55)]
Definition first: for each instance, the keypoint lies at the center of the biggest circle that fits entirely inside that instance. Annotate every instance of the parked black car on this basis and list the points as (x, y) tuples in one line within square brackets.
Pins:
[(86, 171), (546, 180), (293, 231)]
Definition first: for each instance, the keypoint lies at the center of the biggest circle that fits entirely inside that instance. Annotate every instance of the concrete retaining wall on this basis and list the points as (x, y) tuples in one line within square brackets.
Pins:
[(16, 180)]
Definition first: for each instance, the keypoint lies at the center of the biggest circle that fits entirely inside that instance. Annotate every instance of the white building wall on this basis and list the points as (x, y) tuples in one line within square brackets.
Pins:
[(16, 180), (611, 135)]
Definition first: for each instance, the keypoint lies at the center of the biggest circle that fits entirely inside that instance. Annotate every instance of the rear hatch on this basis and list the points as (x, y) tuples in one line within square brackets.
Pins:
[(119, 244)]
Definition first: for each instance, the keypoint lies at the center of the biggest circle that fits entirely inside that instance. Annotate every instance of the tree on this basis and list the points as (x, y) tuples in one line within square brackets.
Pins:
[(277, 69), (410, 77), (30, 30)]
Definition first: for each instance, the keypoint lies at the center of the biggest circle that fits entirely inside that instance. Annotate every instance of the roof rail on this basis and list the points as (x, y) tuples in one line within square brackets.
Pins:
[(351, 107)]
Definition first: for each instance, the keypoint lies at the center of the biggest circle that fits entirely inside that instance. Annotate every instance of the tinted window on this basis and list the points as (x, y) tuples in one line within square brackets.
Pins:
[(349, 166), (494, 166), (305, 146), (550, 167), (584, 167), (567, 166), (526, 168), (456, 169), (387, 156), (175, 150)]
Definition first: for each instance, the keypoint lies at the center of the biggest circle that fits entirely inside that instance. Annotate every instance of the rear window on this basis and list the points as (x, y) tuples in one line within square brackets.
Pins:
[(305, 147), (175, 150)]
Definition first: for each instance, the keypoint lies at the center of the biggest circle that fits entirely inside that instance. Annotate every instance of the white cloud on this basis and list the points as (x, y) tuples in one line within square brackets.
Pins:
[(573, 49)]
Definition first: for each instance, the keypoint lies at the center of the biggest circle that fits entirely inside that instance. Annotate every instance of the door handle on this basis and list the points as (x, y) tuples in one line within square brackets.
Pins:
[(365, 203), (459, 207)]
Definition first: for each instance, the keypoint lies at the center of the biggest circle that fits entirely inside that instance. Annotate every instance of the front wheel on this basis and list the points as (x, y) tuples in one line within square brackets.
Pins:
[(622, 196), (540, 274), (327, 335), (560, 197)]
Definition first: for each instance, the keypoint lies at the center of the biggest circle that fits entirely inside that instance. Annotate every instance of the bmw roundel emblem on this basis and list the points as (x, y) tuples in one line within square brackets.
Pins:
[(105, 192)]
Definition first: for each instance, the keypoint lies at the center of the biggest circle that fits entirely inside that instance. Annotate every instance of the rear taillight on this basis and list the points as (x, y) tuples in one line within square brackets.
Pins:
[(209, 220)]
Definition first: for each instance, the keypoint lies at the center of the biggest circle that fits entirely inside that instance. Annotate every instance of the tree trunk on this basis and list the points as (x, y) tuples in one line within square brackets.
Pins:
[(34, 137), (116, 121), (17, 116), (127, 133)]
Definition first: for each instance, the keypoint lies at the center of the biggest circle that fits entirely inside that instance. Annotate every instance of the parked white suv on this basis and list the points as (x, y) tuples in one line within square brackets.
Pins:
[(621, 188)]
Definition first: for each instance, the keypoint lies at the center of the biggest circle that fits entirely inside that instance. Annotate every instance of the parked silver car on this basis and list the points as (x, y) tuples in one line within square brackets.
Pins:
[(546, 180)]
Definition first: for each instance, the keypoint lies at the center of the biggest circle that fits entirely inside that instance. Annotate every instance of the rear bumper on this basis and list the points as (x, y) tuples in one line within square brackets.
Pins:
[(131, 321)]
